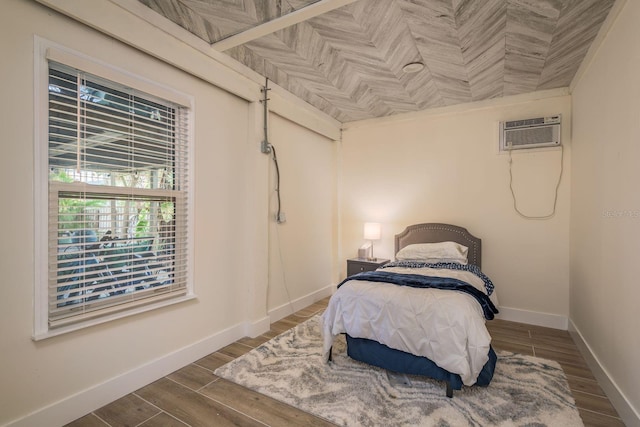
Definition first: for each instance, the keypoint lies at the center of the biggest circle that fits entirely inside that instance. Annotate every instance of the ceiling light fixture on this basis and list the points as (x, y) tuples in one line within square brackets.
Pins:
[(413, 67)]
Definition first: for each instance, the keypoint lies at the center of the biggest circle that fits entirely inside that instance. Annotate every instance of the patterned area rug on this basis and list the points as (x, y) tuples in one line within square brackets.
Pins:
[(525, 391)]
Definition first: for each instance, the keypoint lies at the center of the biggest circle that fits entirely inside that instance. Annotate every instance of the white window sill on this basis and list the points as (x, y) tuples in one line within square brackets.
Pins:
[(49, 333)]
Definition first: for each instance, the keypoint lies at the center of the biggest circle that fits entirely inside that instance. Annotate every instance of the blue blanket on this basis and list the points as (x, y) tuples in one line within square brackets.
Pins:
[(488, 284), (420, 281)]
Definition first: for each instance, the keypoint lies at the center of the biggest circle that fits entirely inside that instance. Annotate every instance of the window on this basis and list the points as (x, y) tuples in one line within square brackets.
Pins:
[(118, 199)]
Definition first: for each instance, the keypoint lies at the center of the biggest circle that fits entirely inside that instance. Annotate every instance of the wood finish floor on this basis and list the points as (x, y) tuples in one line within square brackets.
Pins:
[(194, 396)]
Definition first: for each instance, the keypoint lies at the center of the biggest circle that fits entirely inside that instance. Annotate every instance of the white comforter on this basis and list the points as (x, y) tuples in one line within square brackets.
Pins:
[(448, 327)]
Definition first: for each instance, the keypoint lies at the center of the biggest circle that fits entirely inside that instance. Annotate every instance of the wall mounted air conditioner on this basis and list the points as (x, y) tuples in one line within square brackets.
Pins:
[(530, 133)]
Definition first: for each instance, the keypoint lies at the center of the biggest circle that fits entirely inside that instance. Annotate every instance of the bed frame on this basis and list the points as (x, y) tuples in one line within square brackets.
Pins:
[(377, 354), (435, 232)]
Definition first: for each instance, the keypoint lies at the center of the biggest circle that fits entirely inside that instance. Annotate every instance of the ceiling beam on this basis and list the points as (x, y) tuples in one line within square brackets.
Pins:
[(136, 25), (293, 18)]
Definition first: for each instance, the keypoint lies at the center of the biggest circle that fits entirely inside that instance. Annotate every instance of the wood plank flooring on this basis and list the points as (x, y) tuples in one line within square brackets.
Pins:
[(194, 396)]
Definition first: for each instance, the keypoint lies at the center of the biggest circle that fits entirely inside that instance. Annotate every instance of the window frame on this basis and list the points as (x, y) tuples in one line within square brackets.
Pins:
[(45, 51)]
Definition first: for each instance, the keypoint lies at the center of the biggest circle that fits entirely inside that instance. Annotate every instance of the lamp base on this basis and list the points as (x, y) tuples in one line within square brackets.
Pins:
[(364, 252)]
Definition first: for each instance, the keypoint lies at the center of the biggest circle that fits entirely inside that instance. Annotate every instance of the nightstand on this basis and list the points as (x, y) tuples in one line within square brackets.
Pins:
[(358, 265)]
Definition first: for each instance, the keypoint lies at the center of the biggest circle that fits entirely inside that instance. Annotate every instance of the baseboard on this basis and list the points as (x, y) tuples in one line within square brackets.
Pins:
[(86, 401), (548, 320), (258, 327), (291, 307), (261, 326), (626, 411)]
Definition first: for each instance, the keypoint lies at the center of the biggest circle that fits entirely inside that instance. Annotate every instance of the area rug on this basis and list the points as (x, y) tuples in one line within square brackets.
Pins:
[(525, 391)]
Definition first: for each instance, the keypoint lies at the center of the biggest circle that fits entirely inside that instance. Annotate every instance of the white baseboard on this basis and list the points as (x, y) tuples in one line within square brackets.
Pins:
[(75, 406), (627, 412), (298, 304), (86, 401), (259, 327), (548, 320)]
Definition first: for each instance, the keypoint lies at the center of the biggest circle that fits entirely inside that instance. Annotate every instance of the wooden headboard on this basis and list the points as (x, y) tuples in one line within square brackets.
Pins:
[(435, 232)]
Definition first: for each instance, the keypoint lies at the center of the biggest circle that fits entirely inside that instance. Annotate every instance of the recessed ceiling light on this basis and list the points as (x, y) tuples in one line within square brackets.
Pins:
[(413, 67)]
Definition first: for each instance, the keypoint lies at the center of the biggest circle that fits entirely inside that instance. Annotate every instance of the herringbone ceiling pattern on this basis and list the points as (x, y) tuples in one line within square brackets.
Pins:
[(348, 62)]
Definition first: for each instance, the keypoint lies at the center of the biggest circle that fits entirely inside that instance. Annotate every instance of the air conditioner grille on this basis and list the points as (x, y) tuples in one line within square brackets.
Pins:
[(550, 120), (529, 136), (530, 133), (521, 123)]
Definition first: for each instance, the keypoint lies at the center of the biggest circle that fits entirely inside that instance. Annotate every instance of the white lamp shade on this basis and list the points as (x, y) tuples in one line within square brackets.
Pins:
[(372, 231)]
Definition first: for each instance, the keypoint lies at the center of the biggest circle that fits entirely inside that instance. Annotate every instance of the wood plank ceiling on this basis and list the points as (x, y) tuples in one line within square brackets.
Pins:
[(348, 62)]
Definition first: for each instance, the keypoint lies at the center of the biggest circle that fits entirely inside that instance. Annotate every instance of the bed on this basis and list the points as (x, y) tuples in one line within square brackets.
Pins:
[(423, 314)]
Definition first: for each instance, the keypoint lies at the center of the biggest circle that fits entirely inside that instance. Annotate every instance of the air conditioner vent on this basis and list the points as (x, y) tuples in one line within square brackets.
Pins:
[(530, 133)]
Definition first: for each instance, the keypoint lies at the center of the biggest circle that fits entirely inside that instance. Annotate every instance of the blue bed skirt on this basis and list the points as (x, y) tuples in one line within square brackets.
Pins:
[(374, 353)]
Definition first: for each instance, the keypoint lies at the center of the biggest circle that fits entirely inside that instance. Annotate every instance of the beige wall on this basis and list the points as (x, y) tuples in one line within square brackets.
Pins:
[(299, 265), (605, 206), (446, 168), (78, 370), (431, 167)]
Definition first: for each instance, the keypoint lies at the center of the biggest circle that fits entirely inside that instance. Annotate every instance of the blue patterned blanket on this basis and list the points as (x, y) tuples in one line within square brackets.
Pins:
[(420, 281), (488, 284)]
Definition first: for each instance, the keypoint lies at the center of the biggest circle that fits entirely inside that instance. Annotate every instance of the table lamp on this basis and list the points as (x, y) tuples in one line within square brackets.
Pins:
[(371, 233)]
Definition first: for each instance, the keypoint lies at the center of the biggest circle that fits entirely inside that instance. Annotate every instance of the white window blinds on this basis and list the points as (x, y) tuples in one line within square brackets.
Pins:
[(118, 197)]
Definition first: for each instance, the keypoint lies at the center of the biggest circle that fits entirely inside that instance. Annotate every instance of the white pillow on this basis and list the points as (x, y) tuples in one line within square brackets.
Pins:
[(434, 252)]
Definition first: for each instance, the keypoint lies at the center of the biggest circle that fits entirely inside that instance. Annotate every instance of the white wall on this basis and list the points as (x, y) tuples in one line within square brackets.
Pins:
[(605, 210), (298, 264), (446, 168), (64, 377)]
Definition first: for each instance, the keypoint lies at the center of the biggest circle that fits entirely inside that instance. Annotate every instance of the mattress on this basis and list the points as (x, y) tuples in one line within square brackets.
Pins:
[(446, 326)]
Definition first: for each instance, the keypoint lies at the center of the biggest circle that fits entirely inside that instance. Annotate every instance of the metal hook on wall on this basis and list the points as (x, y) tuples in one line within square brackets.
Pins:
[(266, 147)]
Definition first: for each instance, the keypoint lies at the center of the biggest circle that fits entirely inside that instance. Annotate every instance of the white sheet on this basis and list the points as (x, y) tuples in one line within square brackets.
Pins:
[(448, 327)]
